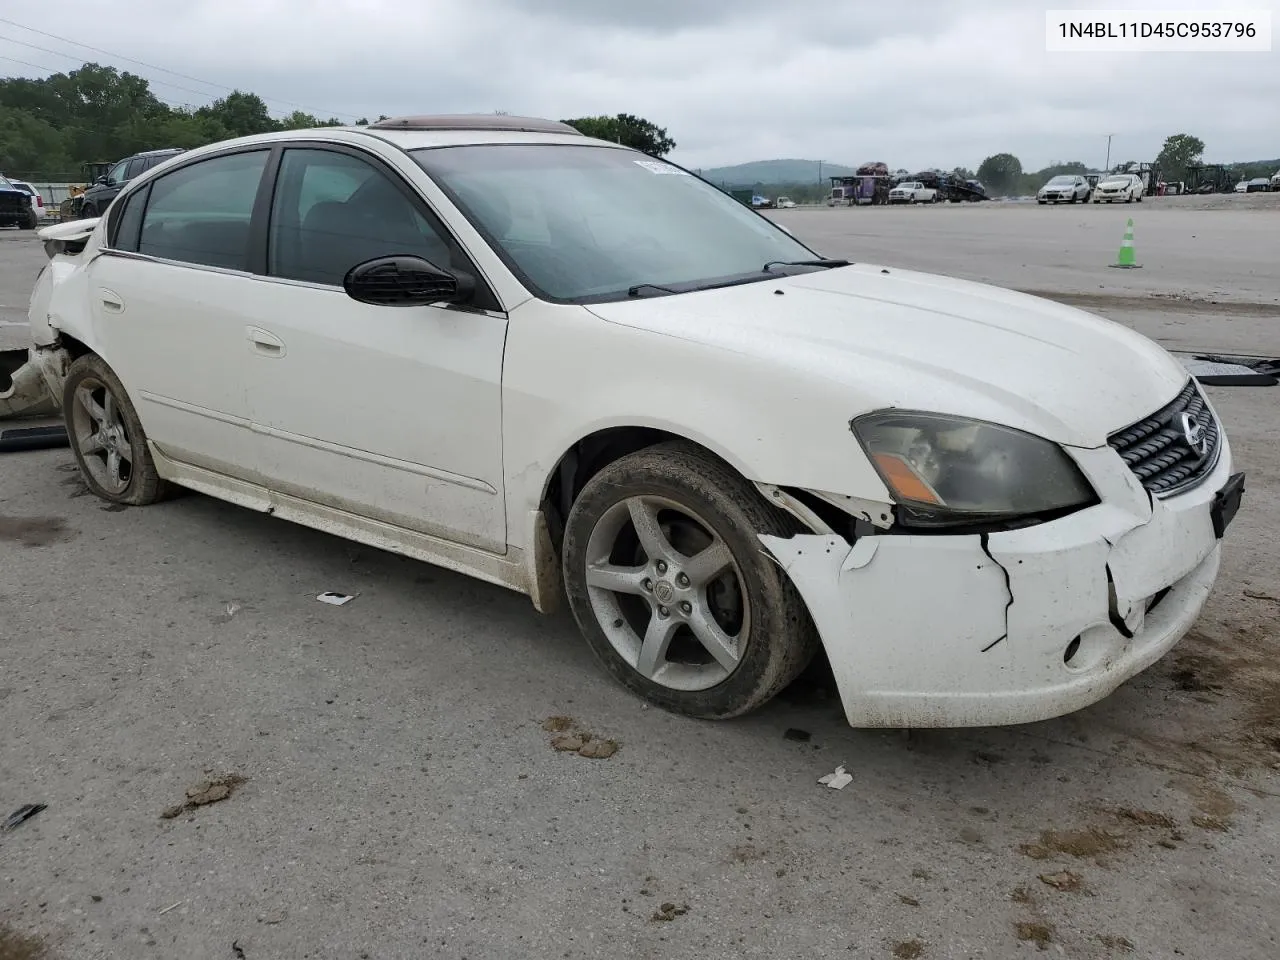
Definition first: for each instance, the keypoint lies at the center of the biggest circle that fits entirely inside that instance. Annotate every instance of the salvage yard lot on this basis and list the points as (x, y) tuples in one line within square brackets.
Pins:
[(402, 797)]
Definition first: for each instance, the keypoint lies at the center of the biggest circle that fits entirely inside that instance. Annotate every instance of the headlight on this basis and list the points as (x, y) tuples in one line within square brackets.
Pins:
[(944, 471)]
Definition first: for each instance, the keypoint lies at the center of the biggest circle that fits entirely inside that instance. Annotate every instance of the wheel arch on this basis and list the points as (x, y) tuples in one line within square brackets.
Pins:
[(594, 451)]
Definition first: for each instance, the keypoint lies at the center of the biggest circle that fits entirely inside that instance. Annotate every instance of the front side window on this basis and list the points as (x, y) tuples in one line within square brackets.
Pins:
[(591, 223), (201, 213), (117, 173), (333, 211)]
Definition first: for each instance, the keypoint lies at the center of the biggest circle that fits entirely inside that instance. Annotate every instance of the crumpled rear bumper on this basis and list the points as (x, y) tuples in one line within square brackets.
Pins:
[(1014, 627)]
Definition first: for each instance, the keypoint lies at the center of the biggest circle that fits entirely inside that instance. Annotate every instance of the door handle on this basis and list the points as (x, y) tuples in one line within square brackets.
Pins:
[(111, 300), (264, 343)]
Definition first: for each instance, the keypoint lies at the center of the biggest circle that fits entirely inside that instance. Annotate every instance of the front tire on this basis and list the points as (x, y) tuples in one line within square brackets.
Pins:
[(106, 436), (669, 583)]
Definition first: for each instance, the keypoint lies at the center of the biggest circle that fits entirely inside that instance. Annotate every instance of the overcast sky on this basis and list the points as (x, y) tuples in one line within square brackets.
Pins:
[(931, 83)]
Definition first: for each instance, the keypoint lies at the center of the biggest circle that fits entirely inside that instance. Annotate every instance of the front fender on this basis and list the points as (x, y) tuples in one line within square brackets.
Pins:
[(568, 374)]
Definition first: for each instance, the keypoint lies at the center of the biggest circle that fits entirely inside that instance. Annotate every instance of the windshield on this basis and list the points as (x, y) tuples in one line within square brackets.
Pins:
[(1061, 181), (581, 223), (1112, 181), (5, 183)]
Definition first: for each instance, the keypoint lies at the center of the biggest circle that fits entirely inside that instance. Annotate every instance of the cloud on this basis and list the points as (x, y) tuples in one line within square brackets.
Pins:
[(935, 83)]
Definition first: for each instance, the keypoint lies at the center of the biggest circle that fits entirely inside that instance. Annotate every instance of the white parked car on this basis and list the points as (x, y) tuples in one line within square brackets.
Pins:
[(1242, 186), (1275, 180), (558, 365), (37, 201), (1065, 188), (785, 203), (1118, 187), (913, 191)]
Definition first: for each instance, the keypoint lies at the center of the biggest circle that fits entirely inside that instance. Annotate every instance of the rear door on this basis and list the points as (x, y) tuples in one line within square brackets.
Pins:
[(168, 297)]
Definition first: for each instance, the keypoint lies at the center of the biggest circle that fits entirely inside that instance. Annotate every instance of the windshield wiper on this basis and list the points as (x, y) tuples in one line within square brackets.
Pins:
[(635, 291), (804, 263)]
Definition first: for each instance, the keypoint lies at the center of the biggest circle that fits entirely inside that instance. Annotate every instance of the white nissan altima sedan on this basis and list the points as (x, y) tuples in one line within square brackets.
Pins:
[(559, 365)]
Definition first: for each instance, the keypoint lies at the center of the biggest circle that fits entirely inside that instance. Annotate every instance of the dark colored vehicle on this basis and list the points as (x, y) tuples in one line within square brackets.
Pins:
[(104, 189), (15, 207)]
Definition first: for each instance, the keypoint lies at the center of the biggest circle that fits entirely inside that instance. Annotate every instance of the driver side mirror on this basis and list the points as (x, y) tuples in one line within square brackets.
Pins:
[(406, 281), (102, 181)]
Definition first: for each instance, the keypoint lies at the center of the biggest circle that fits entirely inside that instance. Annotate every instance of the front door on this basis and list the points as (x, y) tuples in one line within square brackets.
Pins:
[(390, 413)]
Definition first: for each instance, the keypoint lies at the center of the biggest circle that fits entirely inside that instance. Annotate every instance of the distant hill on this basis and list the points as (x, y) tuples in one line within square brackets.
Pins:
[(774, 171)]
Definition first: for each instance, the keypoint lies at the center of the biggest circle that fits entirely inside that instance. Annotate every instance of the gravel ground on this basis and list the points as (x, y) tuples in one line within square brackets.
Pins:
[(401, 797)]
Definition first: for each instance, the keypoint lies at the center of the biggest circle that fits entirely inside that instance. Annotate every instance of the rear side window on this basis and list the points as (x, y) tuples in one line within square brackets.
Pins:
[(124, 234), (201, 213)]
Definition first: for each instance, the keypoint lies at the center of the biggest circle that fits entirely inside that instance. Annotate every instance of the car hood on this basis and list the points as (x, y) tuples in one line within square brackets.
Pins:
[(910, 340)]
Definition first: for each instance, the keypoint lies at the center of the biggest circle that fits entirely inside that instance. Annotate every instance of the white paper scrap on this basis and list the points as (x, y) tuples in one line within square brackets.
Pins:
[(838, 780)]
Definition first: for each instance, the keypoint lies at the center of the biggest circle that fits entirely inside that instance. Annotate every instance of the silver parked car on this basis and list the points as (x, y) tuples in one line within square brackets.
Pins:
[(1065, 188)]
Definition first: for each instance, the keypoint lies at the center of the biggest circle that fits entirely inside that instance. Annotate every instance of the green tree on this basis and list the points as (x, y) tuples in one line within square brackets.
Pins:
[(1179, 151), (630, 131), (1001, 173), (240, 114)]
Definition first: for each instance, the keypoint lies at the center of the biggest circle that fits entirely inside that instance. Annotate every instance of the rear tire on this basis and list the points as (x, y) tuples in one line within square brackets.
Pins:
[(106, 436), (31, 222), (671, 588)]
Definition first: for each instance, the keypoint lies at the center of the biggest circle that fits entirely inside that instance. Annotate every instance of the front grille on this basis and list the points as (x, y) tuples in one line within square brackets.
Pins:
[(1159, 451)]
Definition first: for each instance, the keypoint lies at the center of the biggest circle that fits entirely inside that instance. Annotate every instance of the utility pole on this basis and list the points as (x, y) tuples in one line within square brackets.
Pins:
[(1107, 168), (819, 173)]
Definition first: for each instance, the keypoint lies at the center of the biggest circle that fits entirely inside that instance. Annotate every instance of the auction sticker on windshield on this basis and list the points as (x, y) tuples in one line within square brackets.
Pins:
[(654, 166)]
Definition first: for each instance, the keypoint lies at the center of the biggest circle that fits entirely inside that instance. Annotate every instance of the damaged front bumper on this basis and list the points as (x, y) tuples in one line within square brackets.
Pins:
[(1019, 626)]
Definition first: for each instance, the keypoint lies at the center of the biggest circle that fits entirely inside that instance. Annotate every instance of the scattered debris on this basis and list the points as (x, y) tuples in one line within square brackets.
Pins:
[(568, 742), (22, 815), (1117, 943), (205, 793), (668, 912), (172, 906), (335, 599), (271, 919), (1082, 844), (1231, 371), (838, 780), (1255, 595), (599, 749), (17, 946), (799, 736), (1063, 880), (1041, 934), (909, 949), (571, 739), (235, 948), (920, 873), (1206, 822), (1144, 818), (990, 759), (909, 901), (1021, 895)]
